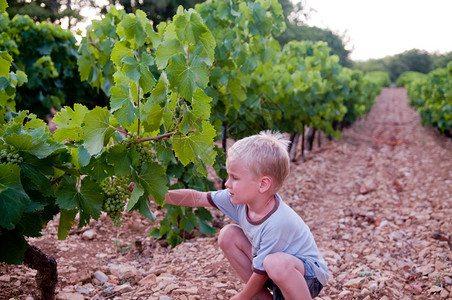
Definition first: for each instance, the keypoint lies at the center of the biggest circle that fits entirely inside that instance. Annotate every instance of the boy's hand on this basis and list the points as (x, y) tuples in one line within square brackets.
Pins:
[(131, 186)]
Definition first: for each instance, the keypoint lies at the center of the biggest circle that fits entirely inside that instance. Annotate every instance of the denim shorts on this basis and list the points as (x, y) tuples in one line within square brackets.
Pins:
[(313, 283)]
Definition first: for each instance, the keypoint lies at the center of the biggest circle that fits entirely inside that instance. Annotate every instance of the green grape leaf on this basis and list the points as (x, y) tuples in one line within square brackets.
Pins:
[(236, 90), (147, 80), (120, 95), (87, 71), (66, 193), (69, 121), (35, 180), (13, 198), (194, 145), (185, 77), (137, 192), (141, 203), (20, 77), (205, 228), (186, 225), (143, 208), (188, 121), (3, 6), (32, 222), (88, 199), (98, 168), (131, 29), (126, 114), (83, 156), (38, 143), (208, 45), (189, 26), (5, 64), (160, 92), (139, 70), (96, 130), (119, 51), (119, 157), (5, 83), (67, 221), (201, 104), (131, 67), (153, 114), (167, 49), (152, 178), (122, 105)]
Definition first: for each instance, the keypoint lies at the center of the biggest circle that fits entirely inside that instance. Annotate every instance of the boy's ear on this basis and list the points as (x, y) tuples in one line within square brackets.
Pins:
[(265, 184)]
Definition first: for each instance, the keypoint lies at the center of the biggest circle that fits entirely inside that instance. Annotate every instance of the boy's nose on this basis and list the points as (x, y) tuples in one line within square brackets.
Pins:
[(227, 185)]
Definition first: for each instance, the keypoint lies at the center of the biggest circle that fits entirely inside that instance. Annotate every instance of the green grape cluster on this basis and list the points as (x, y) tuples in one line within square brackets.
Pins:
[(116, 190), (143, 149), (10, 157), (145, 152)]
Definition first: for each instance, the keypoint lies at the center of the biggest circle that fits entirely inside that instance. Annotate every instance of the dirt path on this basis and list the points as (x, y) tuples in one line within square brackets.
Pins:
[(379, 203)]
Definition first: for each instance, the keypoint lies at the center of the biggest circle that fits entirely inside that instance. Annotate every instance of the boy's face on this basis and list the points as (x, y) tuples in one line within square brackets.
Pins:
[(242, 184)]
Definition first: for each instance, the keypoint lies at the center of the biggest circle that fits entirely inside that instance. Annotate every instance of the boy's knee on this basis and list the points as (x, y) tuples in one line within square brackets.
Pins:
[(227, 235), (275, 265)]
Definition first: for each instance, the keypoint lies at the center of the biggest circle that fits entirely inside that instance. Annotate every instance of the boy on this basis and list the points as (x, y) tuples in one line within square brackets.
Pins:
[(270, 246)]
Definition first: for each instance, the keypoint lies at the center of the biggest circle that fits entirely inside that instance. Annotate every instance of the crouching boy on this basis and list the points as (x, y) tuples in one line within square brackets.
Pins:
[(270, 246)]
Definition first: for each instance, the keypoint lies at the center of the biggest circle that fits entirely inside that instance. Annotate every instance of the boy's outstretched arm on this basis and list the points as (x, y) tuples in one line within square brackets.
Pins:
[(187, 197)]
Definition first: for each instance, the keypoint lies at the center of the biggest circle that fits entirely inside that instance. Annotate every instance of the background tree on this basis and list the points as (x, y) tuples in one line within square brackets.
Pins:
[(412, 60), (299, 31), (43, 10), (156, 10), (441, 60), (48, 55), (53, 11)]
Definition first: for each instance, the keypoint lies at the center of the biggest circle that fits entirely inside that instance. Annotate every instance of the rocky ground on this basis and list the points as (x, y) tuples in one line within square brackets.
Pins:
[(378, 201)]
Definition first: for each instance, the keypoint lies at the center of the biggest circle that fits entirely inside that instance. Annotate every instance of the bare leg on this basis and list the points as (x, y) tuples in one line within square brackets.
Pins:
[(287, 272), (237, 250)]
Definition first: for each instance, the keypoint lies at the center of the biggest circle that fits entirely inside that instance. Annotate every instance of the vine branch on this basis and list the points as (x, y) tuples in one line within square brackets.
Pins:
[(162, 136)]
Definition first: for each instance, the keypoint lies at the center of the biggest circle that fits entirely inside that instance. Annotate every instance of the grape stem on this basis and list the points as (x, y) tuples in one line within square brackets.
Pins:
[(162, 136)]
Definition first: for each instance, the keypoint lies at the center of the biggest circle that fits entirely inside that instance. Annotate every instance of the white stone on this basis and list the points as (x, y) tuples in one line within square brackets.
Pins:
[(124, 288), (99, 275), (89, 235), (70, 296)]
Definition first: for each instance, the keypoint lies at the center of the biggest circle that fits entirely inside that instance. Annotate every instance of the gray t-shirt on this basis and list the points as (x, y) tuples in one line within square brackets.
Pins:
[(281, 230)]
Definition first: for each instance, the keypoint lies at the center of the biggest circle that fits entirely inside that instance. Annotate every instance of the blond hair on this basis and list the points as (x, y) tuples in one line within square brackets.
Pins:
[(264, 154)]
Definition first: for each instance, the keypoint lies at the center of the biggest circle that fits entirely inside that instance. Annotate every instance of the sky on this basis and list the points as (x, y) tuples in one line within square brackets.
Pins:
[(378, 28)]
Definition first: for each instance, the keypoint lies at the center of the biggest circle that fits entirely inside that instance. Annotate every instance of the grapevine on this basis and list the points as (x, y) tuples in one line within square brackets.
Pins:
[(431, 94), (172, 93)]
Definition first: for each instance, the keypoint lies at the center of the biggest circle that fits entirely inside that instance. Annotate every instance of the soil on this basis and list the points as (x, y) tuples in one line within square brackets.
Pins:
[(378, 201)]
